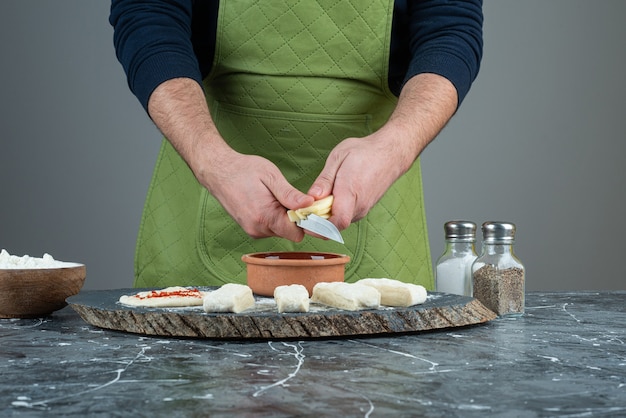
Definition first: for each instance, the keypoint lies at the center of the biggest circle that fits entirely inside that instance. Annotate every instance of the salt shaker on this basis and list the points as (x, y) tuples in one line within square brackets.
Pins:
[(453, 271), (498, 275)]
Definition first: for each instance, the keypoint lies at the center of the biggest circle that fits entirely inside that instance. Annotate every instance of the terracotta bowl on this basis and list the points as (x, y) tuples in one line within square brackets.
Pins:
[(268, 270), (31, 293)]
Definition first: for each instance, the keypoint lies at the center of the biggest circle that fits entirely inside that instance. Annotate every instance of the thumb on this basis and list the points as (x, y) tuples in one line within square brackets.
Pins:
[(323, 184)]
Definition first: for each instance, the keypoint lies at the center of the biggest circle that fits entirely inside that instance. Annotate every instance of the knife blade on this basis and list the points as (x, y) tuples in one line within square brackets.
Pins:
[(320, 226)]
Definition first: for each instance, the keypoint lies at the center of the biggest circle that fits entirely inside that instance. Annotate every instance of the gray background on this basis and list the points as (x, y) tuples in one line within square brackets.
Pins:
[(539, 141)]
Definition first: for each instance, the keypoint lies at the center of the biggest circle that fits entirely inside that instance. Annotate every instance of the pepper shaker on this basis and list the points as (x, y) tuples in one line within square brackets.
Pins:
[(453, 271), (498, 275)]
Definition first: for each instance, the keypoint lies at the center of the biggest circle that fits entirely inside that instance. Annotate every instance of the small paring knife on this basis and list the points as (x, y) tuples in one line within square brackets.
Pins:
[(320, 226)]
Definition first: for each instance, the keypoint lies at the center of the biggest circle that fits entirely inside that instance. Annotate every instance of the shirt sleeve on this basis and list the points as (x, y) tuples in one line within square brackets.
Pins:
[(445, 38), (157, 40), (152, 41)]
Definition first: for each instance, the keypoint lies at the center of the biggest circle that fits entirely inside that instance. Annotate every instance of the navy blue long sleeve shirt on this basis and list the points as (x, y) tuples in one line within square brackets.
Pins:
[(159, 40)]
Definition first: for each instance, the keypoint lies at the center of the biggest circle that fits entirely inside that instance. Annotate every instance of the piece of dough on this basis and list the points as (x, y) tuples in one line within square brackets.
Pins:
[(170, 297), (292, 298), (231, 297), (397, 293), (348, 296)]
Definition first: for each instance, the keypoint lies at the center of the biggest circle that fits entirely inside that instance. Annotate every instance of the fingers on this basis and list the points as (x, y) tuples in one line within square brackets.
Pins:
[(325, 181), (357, 174), (255, 194), (336, 179), (275, 223), (288, 196), (343, 208)]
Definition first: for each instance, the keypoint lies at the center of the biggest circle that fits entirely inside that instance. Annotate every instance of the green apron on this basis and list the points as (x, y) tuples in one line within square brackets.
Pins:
[(290, 80)]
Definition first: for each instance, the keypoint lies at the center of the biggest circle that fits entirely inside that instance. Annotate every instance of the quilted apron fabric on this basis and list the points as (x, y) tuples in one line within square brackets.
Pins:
[(290, 80)]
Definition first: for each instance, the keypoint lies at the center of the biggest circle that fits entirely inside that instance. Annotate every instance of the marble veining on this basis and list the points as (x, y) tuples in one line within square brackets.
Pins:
[(566, 357), (299, 357)]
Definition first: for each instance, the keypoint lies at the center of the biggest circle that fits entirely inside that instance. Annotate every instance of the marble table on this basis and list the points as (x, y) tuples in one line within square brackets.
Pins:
[(565, 357)]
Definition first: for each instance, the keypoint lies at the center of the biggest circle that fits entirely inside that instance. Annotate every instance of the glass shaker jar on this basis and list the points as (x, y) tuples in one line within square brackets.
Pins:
[(453, 271), (498, 275)]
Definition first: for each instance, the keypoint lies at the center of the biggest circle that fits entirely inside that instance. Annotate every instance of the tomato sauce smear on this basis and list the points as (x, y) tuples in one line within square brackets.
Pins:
[(191, 293)]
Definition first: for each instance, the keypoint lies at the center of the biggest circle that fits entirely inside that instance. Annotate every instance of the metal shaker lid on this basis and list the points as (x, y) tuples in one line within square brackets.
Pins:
[(498, 232), (460, 231)]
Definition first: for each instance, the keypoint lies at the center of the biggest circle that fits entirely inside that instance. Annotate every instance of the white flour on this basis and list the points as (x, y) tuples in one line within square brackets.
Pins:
[(8, 261)]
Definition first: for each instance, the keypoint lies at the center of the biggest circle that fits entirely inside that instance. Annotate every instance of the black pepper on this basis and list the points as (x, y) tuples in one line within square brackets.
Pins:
[(500, 290), (498, 276)]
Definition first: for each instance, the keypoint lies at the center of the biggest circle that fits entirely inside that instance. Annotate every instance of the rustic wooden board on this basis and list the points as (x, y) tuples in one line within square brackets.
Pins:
[(441, 310)]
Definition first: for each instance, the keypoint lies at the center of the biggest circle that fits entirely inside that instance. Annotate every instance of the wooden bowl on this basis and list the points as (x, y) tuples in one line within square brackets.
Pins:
[(31, 293), (268, 270)]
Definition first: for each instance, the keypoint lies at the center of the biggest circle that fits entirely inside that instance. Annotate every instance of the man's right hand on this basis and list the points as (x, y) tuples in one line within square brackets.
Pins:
[(250, 188), (256, 194)]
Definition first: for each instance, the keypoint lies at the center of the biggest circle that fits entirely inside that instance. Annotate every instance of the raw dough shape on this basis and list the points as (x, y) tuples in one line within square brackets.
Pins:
[(292, 298), (169, 297), (397, 293), (231, 297), (348, 296)]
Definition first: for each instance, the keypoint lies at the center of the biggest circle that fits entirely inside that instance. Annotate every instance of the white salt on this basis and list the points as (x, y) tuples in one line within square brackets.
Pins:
[(454, 275)]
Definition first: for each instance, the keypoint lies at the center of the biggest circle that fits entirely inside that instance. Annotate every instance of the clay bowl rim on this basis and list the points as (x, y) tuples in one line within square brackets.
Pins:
[(295, 259), (25, 272), (66, 265)]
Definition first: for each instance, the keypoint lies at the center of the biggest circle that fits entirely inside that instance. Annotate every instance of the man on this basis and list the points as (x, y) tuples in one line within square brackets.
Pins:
[(271, 105)]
